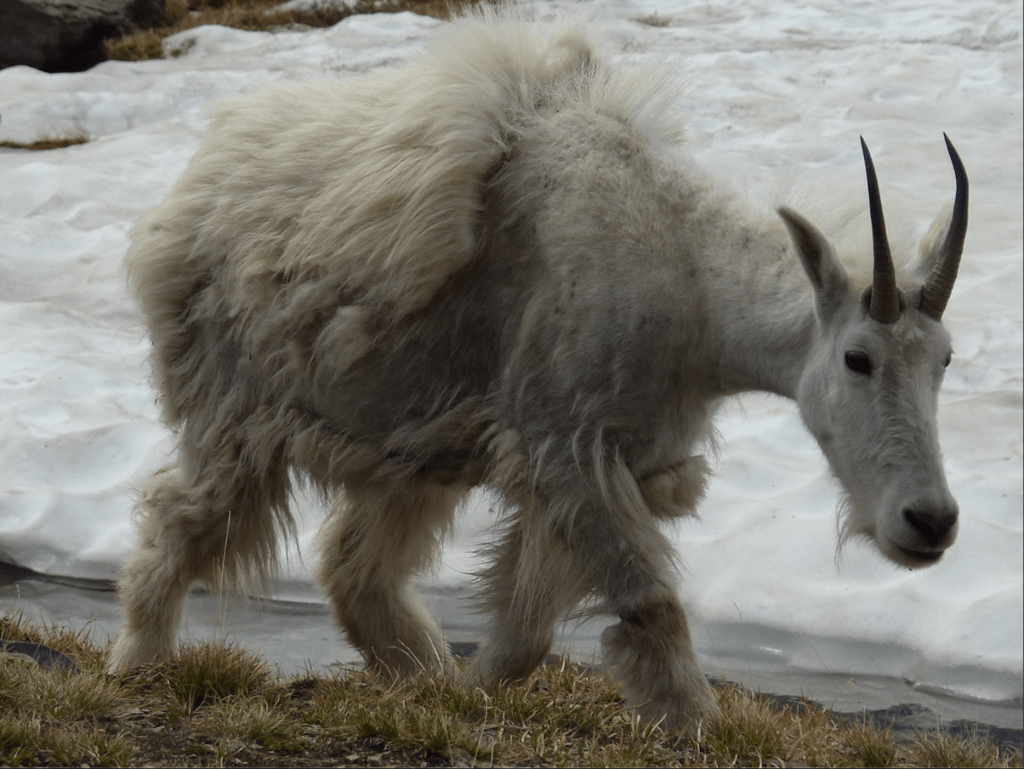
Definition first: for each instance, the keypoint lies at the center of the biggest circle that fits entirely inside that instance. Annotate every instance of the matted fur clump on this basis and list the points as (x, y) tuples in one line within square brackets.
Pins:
[(493, 267)]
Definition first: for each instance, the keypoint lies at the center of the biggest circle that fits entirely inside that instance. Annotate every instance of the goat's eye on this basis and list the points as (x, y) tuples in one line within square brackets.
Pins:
[(858, 362)]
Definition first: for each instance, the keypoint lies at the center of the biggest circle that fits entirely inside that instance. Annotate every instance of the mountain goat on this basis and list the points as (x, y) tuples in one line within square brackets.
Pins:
[(495, 267)]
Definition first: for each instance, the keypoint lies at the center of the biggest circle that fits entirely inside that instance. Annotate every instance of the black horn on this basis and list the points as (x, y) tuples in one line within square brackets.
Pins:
[(938, 287), (884, 304)]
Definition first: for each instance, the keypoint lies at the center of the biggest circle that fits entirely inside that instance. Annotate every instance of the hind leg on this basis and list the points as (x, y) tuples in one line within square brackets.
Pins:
[(377, 538), (210, 526)]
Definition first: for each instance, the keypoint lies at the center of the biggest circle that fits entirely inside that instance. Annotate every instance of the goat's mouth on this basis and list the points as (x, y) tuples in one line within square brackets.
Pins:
[(913, 559), (904, 541), (922, 559)]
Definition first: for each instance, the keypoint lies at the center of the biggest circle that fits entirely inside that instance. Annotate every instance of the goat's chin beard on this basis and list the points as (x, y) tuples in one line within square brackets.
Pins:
[(854, 526), (847, 527)]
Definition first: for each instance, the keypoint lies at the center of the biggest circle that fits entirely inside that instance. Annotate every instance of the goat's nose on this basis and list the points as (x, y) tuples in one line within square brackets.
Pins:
[(933, 525)]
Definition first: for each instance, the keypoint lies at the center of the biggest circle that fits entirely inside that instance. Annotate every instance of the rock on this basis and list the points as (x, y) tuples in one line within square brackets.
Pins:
[(68, 35), (37, 654)]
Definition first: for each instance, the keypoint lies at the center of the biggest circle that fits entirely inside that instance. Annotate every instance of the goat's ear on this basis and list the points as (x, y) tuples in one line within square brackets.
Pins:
[(827, 274), (930, 249)]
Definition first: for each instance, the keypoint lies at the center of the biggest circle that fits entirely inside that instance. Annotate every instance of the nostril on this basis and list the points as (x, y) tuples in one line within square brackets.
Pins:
[(933, 527)]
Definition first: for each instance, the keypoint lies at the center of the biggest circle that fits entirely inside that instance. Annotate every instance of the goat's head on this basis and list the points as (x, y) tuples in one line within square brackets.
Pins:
[(869, 388)]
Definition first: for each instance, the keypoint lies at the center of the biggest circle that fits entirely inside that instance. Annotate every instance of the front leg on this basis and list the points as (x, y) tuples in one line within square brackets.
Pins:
[(575, 534), (649, 652)]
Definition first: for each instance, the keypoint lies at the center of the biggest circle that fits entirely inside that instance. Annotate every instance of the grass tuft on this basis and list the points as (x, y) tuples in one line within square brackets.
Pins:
[(944, 750), (874, 747), (211, 673), (45, 143)]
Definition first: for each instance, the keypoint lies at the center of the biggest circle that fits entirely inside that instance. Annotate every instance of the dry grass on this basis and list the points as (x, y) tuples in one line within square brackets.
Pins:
[(220, 705), (257, 15), (654, 20), (46, 143)]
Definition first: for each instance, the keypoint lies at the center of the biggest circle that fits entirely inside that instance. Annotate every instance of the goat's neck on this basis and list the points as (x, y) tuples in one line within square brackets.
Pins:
[(764, 327)]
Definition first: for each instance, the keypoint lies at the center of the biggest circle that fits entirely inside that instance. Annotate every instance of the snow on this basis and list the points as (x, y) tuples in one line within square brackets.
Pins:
[(777, 96)]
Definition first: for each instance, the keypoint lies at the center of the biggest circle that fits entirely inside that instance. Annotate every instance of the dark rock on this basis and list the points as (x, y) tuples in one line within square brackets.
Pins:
[(68, 35), (908, 720), (43, 655), (11, 572), (463, 649)]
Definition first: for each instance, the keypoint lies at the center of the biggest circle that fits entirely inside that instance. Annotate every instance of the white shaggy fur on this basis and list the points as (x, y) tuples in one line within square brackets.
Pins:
[(493, 267)]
